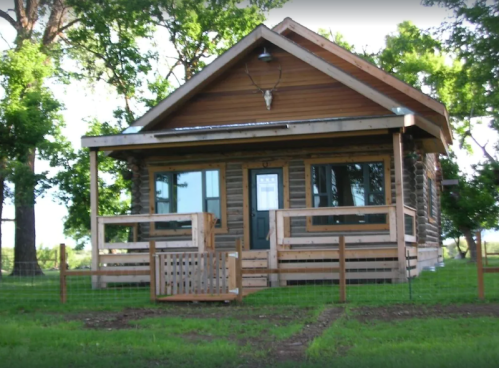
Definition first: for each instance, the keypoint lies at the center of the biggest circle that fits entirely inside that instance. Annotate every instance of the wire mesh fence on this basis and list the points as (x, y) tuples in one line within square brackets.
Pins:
[(369, 281), (26, 285)]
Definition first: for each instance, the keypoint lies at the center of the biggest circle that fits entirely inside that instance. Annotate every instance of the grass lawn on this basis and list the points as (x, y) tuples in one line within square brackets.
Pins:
[(245, 337), (382, 325)]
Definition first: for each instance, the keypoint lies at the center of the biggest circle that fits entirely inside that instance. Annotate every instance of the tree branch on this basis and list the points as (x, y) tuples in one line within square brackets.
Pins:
[(9, 19)]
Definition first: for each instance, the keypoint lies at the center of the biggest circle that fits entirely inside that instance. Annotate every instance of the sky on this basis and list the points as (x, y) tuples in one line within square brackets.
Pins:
[(364, 23)]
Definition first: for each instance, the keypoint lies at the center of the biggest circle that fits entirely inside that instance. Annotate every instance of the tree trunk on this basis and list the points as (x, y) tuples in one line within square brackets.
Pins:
[(25, 260), (471, 243)]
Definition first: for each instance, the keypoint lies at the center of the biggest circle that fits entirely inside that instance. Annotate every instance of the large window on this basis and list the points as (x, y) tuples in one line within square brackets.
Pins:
[(187, 192), (348, 184)]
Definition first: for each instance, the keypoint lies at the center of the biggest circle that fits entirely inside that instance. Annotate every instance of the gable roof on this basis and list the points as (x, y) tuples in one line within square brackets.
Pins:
[(263, 33), (289, 24)]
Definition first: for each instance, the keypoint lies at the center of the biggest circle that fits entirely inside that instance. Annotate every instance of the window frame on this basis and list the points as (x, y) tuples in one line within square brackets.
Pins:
[(431, 187), (154, 170), (385, 159)]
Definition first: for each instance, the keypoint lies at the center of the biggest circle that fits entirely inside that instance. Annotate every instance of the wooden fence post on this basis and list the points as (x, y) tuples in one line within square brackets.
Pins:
[(239, 270), (152, 269), (479, 265), (273, 261), (62, 273), (485, 253), (342, 275)]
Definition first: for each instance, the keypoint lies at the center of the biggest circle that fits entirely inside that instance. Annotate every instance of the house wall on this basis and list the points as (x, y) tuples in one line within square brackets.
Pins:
[(297, 192), (303, 93)]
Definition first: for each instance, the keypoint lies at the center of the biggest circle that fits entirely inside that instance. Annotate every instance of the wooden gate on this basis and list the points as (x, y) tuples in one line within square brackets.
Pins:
[(197, 276)]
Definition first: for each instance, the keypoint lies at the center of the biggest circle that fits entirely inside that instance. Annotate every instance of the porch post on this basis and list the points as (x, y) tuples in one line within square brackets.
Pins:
[(94, 212), (399, 204)]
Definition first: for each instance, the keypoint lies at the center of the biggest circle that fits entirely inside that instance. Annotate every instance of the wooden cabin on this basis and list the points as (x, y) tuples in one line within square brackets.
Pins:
[(343, 148)]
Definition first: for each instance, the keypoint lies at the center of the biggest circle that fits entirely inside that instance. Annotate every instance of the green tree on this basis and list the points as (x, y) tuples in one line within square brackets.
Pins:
[(29, 103), (106, 44), (472, 205)]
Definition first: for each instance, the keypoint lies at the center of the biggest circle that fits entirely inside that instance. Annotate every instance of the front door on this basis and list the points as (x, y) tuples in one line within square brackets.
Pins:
[(266, 194)]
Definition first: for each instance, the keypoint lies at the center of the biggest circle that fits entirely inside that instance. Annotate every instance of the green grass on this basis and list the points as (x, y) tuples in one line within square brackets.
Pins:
[(454, 283), (429, 343)]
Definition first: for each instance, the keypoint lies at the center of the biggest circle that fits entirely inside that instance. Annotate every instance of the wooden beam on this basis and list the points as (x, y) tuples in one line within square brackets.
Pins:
[(239, 270), (289, 24), (298, 130), (273, 262), (152, 270), (342, 270), (399, 203), (62, 273), (94, 212), (479, 266)]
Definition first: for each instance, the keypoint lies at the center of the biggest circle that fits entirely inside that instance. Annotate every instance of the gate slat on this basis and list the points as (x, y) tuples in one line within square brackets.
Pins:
[(205, 273), (181, 275), (198, 274), (168, 274), (224, 273), (217, 280), (174, 264), (210, 271)]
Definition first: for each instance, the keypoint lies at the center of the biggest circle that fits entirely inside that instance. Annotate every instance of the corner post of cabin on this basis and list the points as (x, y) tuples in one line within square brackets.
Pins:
[(94, 213), (399, 205)]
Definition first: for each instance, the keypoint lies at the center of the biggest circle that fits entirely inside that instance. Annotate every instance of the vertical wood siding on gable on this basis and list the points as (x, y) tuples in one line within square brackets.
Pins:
[(367, 78), (303, 93)]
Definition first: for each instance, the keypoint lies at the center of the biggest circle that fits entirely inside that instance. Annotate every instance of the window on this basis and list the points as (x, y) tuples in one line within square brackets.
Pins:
[(187, 192), (432, 211), (348, 184)]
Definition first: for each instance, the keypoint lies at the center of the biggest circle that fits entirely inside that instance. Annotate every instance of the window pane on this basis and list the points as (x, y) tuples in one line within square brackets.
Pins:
[(213, 206), (376, 177), (319, 180), (347, 185), (188, 192), (162, 186), (267, 192), (212, 184), (162, 207), (409, 224), (356, 184)]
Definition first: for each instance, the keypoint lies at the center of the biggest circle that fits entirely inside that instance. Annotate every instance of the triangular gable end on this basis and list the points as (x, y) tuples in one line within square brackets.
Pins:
[(367, 73), (303, 94), (236, 53)]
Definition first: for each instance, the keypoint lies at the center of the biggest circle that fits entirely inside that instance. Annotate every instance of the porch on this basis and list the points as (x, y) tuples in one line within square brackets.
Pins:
[(295, 259)]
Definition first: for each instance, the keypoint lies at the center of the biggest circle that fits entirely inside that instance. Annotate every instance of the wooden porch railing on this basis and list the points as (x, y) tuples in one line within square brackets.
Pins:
[(277, 217), (202, 234)]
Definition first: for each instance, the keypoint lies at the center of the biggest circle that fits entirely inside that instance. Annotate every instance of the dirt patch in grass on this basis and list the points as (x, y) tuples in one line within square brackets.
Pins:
[(124, 319), (403, 312), (294, 348)]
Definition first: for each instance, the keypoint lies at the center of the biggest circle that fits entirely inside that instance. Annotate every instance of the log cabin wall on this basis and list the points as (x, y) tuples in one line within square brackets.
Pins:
[(428, 227), (303, 93), (234, 189)]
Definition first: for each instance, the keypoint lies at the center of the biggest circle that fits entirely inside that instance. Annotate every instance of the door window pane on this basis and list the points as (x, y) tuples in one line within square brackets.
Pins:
[(267, 192)]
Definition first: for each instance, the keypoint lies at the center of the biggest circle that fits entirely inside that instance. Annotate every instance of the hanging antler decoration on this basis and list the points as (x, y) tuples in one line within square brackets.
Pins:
[(267, 93)]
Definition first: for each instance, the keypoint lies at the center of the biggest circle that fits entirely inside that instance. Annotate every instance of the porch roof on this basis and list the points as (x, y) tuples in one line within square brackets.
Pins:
[(264, 132)]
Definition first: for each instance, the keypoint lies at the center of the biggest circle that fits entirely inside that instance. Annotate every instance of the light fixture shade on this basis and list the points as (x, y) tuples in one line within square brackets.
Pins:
[(265, 56)]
